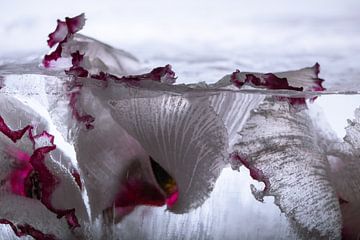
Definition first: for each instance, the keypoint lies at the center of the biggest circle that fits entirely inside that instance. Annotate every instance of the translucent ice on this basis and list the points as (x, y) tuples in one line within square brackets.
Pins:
[(83, 144)]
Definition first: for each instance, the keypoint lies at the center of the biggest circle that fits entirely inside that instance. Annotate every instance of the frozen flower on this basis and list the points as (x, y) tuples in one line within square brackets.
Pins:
[(96, 138)]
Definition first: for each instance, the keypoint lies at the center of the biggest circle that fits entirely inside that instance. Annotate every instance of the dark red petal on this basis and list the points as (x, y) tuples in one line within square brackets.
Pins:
[(317, 81), (101, 76), (59, 34), (43, 144), (274, 82), (163, 74), (257, 174), (83, 118), (53, 56), (77, 71), (27, 230), (77, 178), (77, 58), (159, 74), (13, 135), (62, 33), (135, 192), (298, 80), (253, 80), (49, 181), (270, 81), (75, 24), (234, 79)]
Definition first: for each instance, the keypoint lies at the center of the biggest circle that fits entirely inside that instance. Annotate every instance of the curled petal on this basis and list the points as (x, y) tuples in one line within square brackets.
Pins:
[(234, 109), (63, 33), (115, 168), (269, 80), (59, 34), (53, 56), (345, 163), (184, 136), (305, 79), (76, 69), (100, 57), (75, 24), (26, 166), (160, 74), (27, 218), (282, 145)]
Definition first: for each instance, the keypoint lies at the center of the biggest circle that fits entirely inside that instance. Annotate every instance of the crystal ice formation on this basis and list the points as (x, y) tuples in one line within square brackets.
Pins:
[(82, 144)]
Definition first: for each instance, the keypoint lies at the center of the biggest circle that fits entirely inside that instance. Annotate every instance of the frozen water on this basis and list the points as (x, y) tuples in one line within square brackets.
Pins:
[(205, 41)]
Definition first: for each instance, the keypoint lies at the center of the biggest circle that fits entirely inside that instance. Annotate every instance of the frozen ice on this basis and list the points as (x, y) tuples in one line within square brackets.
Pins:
[(107, 132)]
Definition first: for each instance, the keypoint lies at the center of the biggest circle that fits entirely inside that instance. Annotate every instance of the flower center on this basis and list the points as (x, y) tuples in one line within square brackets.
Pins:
[(33, 185), (166, 182)]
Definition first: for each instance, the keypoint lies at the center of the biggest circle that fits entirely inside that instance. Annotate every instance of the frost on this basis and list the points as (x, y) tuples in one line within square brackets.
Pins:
[(283, 145)]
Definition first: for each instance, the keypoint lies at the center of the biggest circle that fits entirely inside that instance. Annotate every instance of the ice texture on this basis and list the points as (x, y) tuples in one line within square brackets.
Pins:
[(282, 144)]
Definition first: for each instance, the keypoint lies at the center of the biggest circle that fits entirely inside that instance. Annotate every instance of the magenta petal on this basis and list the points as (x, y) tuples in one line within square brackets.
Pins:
[(20, 178), (13, 135), (172, 199), (59, 34), (20, 175), (77, 114), (255, 173), (53, 56), (75, 24), (49, 181), (134, 193)]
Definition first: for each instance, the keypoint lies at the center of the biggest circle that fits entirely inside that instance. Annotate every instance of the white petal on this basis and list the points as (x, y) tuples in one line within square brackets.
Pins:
[(184, 135), (345, 162), (102, 57), (282, 144), (105, 154), (22, 211), (67, 194)]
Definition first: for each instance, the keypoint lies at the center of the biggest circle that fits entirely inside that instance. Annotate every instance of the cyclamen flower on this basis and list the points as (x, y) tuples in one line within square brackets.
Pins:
[(157, 144)]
